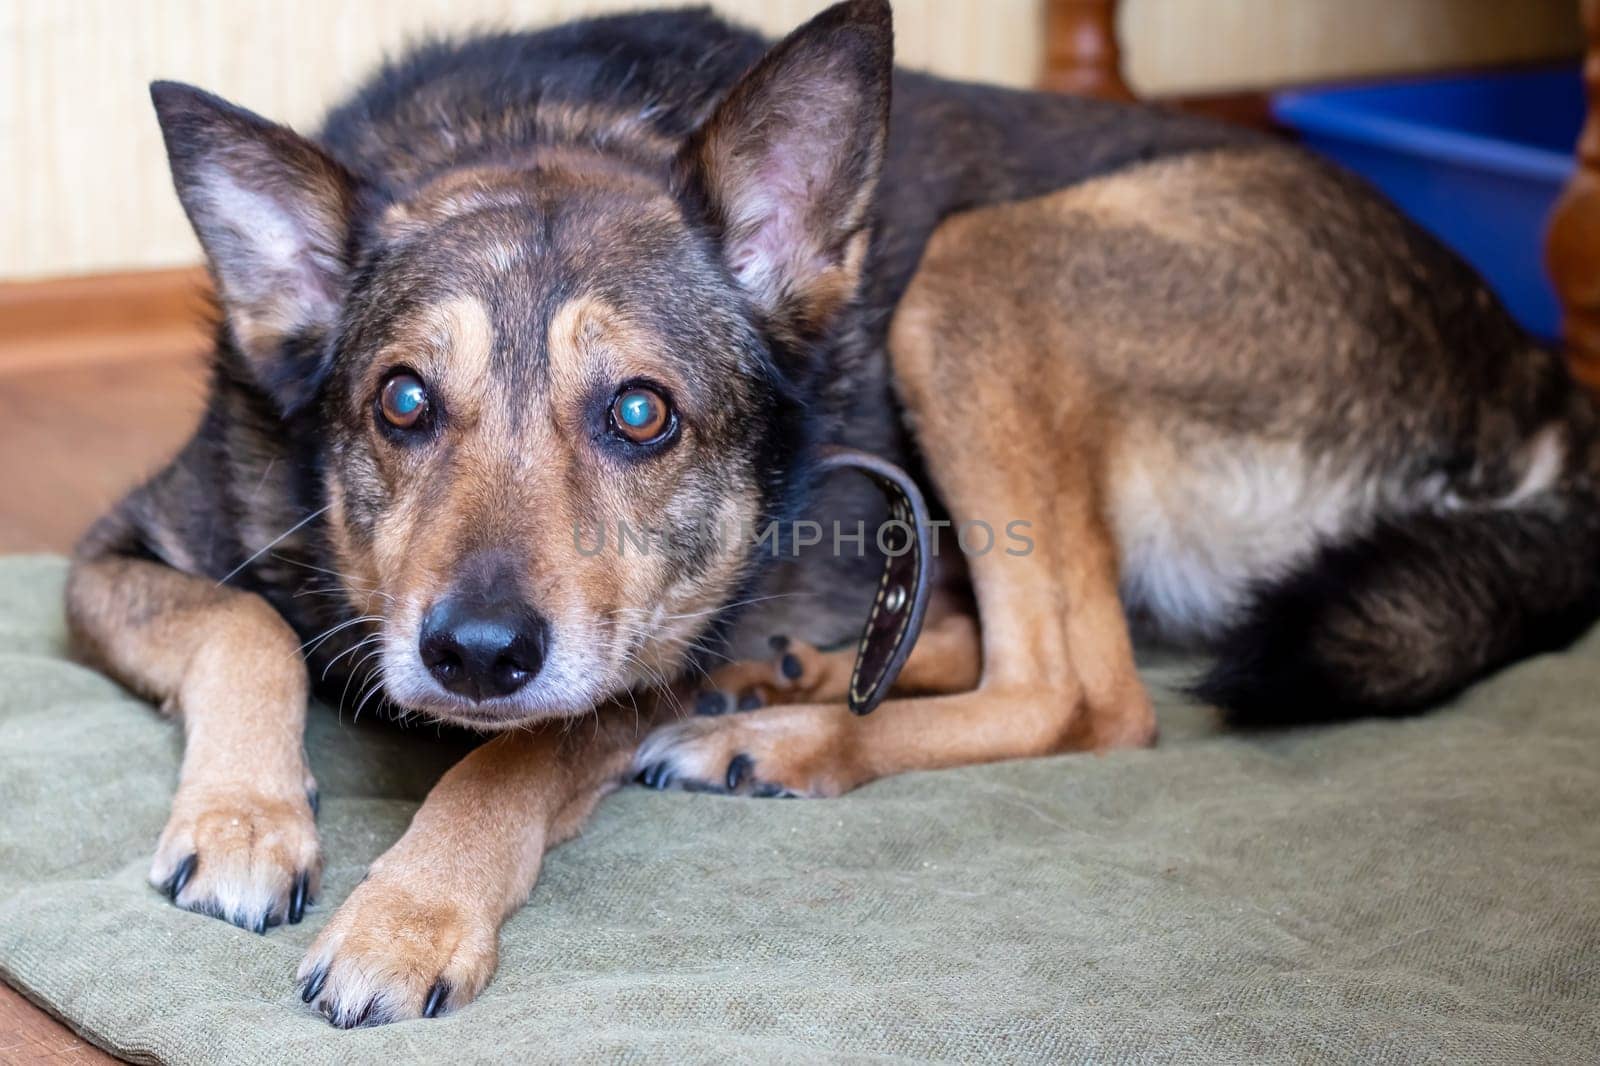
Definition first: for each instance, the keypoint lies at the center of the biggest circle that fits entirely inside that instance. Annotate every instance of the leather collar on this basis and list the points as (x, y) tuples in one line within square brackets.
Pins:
[(902, 597)]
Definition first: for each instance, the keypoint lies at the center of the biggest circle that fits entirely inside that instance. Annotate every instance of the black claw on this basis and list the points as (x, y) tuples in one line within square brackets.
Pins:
[(262, 923), (314, 799), (739, 768), (356, 1021), (297, 899), (770, 790), (711, 704), (791, 666), (656, 775), (211, 909), (438, 998), (181, 875), (750, 701), (778, 644), (313, 984)]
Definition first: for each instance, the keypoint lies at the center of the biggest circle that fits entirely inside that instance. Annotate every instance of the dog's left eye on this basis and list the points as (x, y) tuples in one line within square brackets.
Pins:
[(641, 414), (403, 400)]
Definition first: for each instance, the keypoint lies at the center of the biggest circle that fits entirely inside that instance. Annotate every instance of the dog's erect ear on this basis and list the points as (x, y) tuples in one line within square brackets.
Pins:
[(786, 168), (271, 210)]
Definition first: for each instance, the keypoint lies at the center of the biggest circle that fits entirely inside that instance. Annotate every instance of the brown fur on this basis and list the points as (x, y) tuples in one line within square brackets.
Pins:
[(228, 666), (424, 920)]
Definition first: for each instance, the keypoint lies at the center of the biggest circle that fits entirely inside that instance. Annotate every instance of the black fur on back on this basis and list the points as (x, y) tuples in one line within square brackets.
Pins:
[(1411, 614)]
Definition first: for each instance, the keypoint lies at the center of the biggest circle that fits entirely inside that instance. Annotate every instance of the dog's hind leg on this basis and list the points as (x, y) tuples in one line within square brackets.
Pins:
[(1057, 676), (241, 842), (1057, 663)]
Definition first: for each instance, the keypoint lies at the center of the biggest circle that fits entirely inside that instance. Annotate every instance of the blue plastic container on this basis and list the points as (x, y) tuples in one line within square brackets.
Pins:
[(1478, 160)]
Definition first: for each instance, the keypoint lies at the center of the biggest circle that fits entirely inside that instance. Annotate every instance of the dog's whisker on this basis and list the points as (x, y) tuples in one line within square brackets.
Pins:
[(658, 683), (347, 582), (736, 604), (346, 587), (355, 668), (364, 642), (274, 542), (317, 641), (366, 681), (373, 688)]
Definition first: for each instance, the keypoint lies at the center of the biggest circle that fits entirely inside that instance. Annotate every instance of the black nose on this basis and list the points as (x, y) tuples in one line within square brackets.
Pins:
[(482, 650)]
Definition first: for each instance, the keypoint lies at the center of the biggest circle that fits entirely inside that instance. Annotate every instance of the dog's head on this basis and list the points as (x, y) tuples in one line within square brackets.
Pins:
[(551, 393)]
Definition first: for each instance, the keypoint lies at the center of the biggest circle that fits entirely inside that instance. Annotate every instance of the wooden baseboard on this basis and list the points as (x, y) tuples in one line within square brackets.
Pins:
[(1240, 108), (105, 317)]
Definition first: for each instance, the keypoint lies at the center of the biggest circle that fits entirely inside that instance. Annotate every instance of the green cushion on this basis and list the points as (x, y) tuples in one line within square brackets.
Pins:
[(1423, 890)]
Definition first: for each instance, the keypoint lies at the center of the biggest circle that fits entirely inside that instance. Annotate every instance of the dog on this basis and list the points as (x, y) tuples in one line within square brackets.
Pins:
[(644, 271)]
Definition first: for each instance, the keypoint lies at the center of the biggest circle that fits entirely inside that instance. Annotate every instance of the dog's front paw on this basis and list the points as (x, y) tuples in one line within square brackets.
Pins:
[(390, 953), (244, 856), (781, 751)]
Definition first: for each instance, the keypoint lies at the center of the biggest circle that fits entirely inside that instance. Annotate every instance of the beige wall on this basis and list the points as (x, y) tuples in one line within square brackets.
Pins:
[(1212, 45), (83, 185)]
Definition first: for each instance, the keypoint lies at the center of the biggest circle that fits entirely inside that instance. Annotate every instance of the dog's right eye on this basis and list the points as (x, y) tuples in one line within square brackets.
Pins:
[(642, 415), (403, 400)]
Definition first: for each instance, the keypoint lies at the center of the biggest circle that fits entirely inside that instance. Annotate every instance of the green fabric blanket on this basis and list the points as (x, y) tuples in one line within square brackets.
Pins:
[(1424, 890)]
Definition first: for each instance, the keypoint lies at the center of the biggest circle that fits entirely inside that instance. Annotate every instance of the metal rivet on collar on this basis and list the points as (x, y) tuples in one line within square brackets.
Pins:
[(894, 599)]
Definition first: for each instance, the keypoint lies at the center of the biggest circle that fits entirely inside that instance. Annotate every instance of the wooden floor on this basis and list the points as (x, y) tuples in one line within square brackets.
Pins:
[(93, 402), (28, 1035)]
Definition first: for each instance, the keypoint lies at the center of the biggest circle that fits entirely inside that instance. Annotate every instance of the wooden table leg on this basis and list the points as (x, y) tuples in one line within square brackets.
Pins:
[(1572, 248), (1081, 53)]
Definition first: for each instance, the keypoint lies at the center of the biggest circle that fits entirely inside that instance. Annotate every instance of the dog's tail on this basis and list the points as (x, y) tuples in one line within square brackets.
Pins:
[(1412, 613)]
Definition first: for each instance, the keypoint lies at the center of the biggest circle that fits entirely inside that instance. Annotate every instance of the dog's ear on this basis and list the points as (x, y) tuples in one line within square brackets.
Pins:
[(786, 168), (272, 212)]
